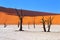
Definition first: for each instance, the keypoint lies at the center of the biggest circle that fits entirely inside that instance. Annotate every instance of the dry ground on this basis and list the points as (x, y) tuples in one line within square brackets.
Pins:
[(11, 33)]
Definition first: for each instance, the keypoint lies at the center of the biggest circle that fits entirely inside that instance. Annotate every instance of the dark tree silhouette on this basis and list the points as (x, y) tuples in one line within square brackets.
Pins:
[(20, 18), (28, 26), (18, 24), (5, 25), (43, 22), (34, 22), (49, 22)]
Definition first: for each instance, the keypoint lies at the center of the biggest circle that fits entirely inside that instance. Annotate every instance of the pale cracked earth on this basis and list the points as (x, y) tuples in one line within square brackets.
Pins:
[(11, 33)]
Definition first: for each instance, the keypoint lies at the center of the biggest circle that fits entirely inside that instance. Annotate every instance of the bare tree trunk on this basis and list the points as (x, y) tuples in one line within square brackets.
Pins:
[(20, 24), (28, 26), (34, 26), (49, 28), (44, 27), (4, 25), (34, 22), (20, 18), (49, 23), (43, 22)]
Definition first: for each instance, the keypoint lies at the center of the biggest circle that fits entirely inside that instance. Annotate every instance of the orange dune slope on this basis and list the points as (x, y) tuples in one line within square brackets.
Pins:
[(9, 16)]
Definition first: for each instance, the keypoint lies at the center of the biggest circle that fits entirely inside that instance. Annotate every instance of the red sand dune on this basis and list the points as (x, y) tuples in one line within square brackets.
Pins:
[(9, 16)]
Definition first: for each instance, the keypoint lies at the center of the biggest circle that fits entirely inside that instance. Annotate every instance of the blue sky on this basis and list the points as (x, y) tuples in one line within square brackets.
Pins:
[(35, 5)]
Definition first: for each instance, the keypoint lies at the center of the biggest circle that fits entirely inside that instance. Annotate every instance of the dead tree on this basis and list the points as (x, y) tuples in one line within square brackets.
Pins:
[(28, 26), (49, 23), (34, 22), (5, 25), (18, 24), (20, 18), (43, 22)]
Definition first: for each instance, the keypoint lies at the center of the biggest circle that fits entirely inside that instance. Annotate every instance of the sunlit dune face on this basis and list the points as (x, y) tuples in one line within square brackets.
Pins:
[(56, 19), (2, 17), (13, 19), (8, 19)]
